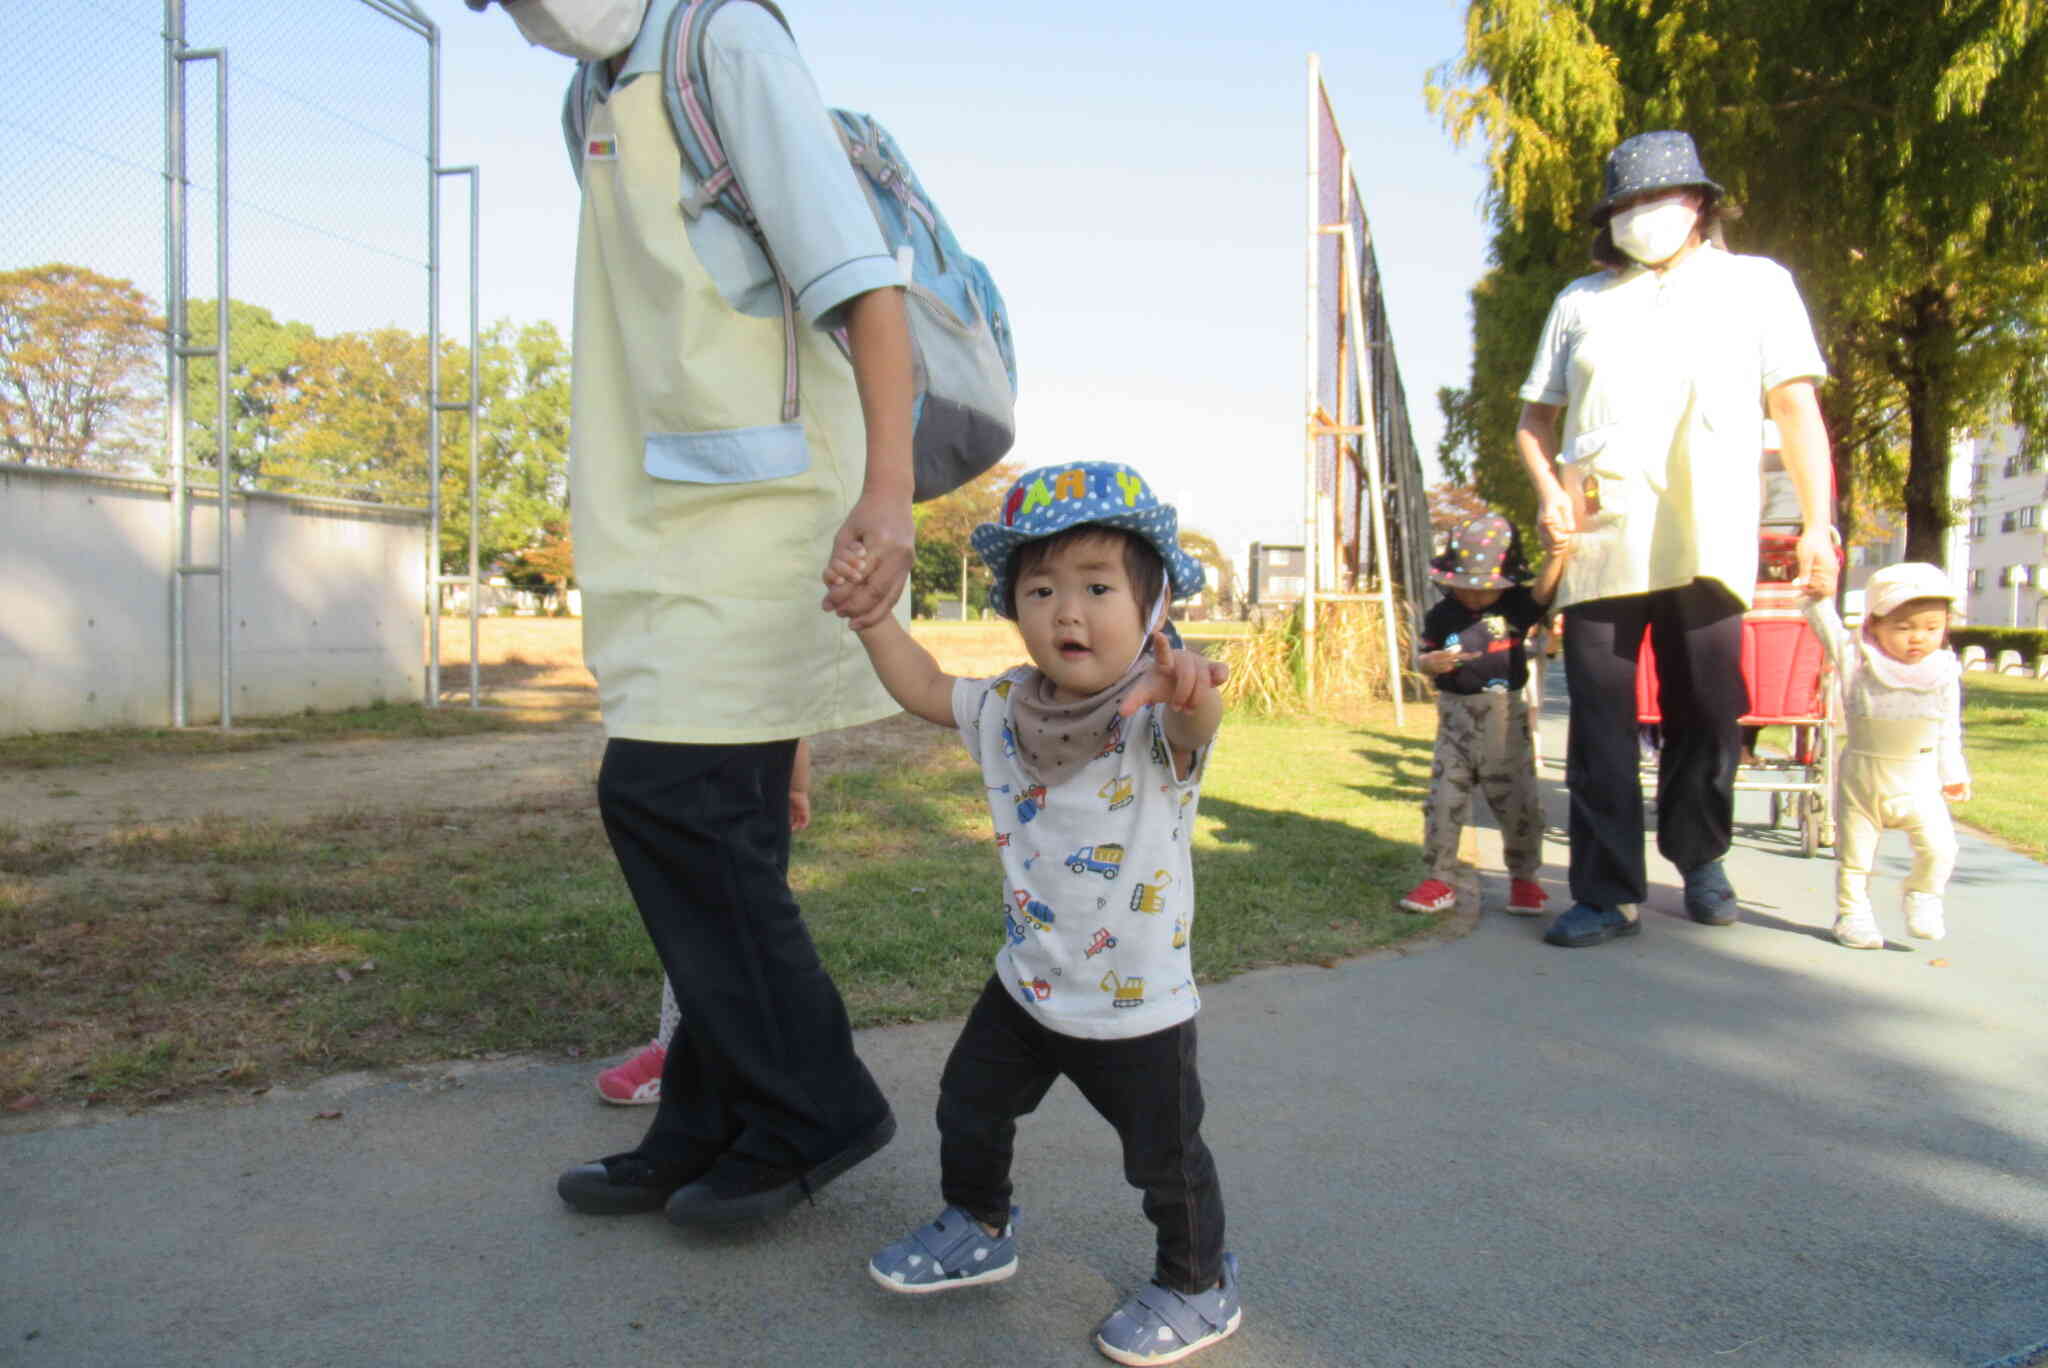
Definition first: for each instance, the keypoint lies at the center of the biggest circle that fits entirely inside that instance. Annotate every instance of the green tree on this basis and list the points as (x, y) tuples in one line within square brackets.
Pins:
[(1892, 157), (264, 359), (946, 564), (81, 368), (522, 447)]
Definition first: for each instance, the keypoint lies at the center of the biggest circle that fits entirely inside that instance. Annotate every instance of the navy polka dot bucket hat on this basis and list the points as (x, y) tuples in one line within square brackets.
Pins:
[(1665, 160), (1483, 553), (1050, 500)]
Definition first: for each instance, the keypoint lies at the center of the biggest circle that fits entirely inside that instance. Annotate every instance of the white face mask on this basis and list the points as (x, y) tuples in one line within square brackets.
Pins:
[(588, 30), (1654, 231)]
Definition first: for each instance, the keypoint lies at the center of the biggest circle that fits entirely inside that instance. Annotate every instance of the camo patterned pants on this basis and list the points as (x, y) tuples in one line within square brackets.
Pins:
[(1482, 742)]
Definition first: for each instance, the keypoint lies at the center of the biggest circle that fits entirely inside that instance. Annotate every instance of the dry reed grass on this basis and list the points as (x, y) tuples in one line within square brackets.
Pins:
[(1268, 669)]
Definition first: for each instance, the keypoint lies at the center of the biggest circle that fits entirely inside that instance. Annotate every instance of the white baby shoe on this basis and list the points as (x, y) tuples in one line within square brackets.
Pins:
[(1924, 919), (1858, 930)]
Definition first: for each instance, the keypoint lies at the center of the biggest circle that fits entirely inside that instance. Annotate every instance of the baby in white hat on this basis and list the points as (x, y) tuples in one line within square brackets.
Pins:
[(1902, 699)]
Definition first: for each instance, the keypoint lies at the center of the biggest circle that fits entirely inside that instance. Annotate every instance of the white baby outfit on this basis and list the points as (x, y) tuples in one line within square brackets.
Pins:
[(1098, 888), (1905, 744)]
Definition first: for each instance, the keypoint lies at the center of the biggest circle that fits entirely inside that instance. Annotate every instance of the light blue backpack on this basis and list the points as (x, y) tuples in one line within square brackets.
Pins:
[(965, 364)]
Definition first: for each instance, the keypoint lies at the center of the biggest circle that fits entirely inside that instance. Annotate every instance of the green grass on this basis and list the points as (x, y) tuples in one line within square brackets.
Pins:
[(2005, 737), (172, 960), (121, 745)]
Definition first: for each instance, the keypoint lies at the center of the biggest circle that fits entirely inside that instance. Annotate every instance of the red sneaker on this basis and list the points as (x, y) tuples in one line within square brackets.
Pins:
[(635, 1083), (1431, 895), (1526, 898)]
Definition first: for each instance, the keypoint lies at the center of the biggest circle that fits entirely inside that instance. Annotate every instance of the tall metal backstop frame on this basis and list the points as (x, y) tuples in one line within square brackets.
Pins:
[(179, 56), (1365, 509)]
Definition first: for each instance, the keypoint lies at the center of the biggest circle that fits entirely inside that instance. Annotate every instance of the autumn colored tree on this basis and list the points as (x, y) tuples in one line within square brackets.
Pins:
[(81, 368), (1895, 158), (1451, 503), (1222, 578), (946, 563)]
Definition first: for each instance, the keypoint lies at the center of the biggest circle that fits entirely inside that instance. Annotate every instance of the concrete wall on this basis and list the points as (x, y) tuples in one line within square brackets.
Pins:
[(327, 600)]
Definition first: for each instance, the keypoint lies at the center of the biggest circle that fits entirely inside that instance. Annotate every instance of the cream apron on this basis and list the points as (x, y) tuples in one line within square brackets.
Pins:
[(702, 522), (1664, 432)]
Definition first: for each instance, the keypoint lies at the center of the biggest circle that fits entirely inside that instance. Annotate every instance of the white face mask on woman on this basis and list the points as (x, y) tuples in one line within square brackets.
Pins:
[(588, 30), (1653, 232)]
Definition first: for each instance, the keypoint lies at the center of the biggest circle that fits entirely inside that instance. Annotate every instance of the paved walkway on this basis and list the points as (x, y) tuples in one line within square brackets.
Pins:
[(1703, 1146)]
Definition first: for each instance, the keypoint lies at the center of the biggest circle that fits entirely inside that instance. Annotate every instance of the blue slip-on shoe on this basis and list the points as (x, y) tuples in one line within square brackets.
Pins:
[(1709, 897), (953, 1251), (1158, 1325), (1583, 924)]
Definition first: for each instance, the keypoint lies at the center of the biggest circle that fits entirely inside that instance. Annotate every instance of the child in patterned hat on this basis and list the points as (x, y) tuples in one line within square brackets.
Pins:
[(1092, 756), (1472, 648)]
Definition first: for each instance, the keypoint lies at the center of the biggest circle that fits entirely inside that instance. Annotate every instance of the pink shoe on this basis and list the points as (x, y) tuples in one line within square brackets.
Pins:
[(1431, 895), (635, 1083), (1526, 898)]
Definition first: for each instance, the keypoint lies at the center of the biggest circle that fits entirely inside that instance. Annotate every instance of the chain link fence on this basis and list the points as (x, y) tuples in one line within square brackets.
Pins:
[(325, 111), (329, 155)]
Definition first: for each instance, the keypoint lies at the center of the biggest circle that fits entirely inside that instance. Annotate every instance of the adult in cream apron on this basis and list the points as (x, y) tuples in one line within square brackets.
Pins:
[(702, 523)]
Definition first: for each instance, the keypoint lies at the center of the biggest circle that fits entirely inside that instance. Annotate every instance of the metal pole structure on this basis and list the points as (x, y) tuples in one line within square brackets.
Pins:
[(174, 337), (1368, 406), (1310, 386), (433, 568), (176, 252), (471, 407), (225, 428)]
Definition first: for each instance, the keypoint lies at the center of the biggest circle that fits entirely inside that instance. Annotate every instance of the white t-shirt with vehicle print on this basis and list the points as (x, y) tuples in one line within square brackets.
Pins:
[(1098, 902)]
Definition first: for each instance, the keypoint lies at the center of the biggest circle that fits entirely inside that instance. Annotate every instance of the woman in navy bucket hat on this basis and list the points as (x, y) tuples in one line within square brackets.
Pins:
[(1642, 430)]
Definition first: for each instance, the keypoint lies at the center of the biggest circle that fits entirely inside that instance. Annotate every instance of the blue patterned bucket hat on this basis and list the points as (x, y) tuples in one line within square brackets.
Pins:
[(1664, 160), (1483, 553), (1053, 499)]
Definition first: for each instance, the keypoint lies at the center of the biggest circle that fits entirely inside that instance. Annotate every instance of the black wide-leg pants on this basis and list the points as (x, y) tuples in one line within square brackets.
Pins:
[(763, 1063), (1148, 1088), (1696, 631)]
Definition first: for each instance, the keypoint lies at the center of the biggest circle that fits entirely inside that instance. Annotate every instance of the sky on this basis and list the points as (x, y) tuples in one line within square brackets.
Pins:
[(1133, 174)]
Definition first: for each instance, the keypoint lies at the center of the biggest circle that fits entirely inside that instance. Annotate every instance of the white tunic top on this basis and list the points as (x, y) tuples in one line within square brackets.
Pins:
[(1662, 378), (1098, 889)]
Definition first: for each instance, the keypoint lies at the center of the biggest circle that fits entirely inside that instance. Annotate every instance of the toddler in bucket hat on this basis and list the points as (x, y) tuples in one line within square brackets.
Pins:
[(1482, 553), (1092, 758), (1472, 647), (1054, 499)]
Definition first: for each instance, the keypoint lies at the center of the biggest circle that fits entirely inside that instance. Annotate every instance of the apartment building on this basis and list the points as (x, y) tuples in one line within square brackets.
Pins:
[(1998, 546)]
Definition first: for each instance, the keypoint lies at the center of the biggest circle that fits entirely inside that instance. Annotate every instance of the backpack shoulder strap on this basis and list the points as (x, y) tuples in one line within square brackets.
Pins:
[(687, 90), (576, 101)]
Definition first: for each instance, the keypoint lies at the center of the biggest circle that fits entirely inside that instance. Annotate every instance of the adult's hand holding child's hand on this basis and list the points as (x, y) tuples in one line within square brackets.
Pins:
[(870, 560)]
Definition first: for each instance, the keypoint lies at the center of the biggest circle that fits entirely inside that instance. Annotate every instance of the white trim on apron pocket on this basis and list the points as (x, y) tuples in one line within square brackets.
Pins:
[(728, 456)]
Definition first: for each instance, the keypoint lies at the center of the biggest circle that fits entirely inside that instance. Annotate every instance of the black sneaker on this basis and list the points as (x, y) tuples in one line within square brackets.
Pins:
[(737, 1190), (1709, 897), (623, 1184), (1583, 924)]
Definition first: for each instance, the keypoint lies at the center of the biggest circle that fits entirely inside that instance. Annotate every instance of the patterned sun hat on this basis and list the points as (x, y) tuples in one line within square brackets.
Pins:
[(1665, 160), (1050, 500), (1482, 553)]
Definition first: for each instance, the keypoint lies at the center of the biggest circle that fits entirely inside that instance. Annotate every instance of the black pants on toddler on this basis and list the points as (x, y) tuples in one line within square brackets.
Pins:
[(1147, 1088)]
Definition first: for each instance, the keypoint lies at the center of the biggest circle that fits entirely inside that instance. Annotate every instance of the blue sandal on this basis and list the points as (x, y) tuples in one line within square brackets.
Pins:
[(1158, 1325), (953, 1251)]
